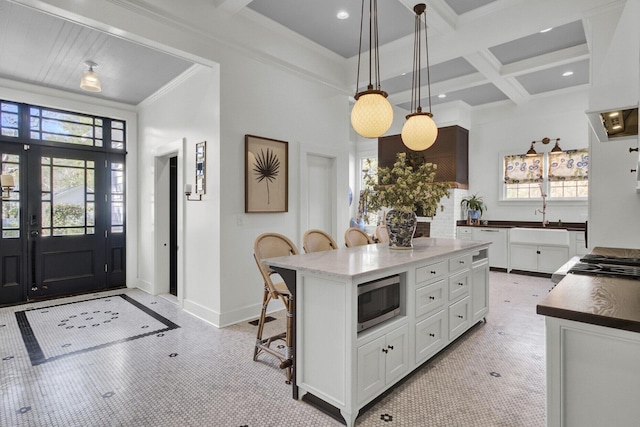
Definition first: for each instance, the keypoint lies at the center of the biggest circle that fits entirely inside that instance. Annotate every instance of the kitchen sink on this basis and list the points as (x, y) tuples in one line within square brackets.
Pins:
[(539, 236)]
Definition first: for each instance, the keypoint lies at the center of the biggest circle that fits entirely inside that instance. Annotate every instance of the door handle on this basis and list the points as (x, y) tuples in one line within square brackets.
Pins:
[(35, 233)]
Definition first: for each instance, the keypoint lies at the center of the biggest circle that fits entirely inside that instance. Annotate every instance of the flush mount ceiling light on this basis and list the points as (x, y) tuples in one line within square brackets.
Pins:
[(419, 131), (567, 74), (372, 113), (343, 14), (90, 81)]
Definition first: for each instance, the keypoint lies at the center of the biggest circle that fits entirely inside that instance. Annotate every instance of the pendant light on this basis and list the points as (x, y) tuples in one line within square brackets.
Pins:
[(90, 81), (372, 114), (532, 151), (419, 131), (556, 148)]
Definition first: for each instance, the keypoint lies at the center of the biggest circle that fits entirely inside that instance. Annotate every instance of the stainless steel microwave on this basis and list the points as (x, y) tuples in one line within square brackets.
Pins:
[(378, 301)]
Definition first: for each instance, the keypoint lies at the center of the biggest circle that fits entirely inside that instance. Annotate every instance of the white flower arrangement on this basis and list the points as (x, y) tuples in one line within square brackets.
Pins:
[(405, 188)]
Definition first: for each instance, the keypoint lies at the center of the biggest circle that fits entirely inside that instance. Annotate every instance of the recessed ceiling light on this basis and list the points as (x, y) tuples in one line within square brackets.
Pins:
[(343, 14), (617, 127), (567, 74), (442, 95), (614, 114), (546, 30)]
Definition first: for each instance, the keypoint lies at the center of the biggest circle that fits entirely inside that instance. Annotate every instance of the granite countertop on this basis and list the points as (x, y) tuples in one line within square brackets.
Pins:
[(360, 261), (603, 301), (570, 226)]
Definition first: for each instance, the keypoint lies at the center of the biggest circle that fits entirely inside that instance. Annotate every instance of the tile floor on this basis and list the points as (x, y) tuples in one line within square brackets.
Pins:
[(126, 358)]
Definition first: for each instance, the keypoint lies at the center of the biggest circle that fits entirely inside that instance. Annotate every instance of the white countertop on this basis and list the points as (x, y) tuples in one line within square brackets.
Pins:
[(353, 263)]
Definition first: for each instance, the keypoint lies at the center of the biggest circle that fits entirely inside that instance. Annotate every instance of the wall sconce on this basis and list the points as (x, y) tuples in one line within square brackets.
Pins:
[(187, 192), (545, 141), (201, 173), (7, 184)]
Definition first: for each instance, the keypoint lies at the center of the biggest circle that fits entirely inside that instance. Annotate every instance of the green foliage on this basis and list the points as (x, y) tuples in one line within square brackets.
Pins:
[(68, 214), (405, 187), (473, 203)]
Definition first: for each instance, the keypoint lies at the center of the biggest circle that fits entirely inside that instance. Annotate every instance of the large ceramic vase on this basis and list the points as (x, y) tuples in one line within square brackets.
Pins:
[(401, 227)]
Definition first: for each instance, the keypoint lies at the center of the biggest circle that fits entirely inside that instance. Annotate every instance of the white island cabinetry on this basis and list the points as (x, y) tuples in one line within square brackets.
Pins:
[(348, 369)]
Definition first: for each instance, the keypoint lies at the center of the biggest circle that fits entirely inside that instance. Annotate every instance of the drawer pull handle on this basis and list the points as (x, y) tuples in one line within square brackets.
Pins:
[(433, 272), (431, 297), (461, 262), (432, 335), (460, 284), (633, 149), (390, 347), (384, 350), (460, 317)]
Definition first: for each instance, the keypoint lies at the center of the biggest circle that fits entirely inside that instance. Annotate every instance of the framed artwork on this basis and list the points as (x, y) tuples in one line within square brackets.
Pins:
[(266, 177), (201, 167)]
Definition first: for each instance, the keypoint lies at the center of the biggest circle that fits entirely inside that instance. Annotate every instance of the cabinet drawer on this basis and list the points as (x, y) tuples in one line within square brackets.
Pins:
[(430, 297), (431, 336), (458, 285), (465, 233), (431, 272), (459, 317), (459, 263)]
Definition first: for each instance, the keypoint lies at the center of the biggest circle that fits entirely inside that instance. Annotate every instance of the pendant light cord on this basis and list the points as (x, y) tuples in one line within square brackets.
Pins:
[(374, 62), (426, 42), (416, 84)]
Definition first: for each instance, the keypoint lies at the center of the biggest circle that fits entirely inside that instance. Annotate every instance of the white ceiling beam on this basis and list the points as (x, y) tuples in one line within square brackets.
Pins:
[(489, 66), (549, 60), (231, 6), (463, 82)]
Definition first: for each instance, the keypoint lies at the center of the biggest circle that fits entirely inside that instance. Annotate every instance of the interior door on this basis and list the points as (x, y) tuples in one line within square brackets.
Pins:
[(66, 239)]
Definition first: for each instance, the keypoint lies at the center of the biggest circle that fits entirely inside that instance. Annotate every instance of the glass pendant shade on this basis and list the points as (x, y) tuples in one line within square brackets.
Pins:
[(372, 114), (419, 131), (90, 82)]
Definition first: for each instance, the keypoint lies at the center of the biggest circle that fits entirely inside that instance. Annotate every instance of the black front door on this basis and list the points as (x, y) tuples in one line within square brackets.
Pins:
[(57, 224)]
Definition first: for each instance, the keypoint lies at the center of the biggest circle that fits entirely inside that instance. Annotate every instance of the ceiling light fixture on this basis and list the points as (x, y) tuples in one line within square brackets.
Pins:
[(567, 74), (419, 131), (532, 151), (442, 95), (343, 14), (90, 81), (372, 114)]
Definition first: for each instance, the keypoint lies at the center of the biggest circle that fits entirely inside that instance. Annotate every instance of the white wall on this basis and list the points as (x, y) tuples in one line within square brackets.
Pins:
[(509, 129)]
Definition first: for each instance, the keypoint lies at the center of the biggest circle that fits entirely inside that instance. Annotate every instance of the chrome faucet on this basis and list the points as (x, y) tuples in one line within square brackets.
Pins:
[(544, 207)]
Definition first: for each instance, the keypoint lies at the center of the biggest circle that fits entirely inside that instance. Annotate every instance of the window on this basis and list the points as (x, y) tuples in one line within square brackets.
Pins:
[(562, 175), (368, 166)]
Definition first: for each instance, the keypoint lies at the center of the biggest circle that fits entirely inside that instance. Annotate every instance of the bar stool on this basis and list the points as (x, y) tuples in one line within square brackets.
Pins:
[(270, 245), (317, 240), (356, 237)]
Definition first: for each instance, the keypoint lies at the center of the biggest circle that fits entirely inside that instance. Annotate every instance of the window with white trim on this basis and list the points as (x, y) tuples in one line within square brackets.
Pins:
[(562, 175)]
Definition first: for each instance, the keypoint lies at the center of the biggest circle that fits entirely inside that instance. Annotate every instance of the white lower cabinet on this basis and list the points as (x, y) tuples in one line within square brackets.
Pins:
[(431, 335), (459, 317), (499, 249), (479, 290), (382, 362), (538, 258)]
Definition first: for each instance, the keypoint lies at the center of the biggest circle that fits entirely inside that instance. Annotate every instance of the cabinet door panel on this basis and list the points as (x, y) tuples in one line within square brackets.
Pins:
[(397, 355), (458, 318), (431, 336), (499, 243), (431, 272), (479, 291), (524, 257), (458, 285), (371, 369), (551, 258)]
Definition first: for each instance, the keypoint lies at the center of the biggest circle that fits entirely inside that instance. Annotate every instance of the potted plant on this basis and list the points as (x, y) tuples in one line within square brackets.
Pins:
[(404, 189), (475, 207)]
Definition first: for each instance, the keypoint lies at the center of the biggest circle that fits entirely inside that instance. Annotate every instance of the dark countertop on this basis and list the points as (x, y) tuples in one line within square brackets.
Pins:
[(570, 226), (603, 301)]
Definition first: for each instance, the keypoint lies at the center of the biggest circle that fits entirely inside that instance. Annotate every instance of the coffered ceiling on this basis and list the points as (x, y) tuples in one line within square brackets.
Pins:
[(481, 51)]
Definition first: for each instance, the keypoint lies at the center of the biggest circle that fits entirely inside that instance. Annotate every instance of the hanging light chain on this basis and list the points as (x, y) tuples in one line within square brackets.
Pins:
[(426, 42)]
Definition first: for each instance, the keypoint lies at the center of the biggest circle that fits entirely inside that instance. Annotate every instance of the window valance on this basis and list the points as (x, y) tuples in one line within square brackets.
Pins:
[(571, 165), (520, 168)]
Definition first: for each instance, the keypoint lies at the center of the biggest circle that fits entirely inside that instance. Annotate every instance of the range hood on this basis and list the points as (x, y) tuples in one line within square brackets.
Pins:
[(615, 123)]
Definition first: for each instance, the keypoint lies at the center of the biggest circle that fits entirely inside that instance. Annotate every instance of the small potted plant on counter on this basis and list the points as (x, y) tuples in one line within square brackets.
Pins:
[(475, 207)]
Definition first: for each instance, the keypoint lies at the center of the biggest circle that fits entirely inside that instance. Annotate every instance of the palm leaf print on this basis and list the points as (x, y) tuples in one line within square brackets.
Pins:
[(266, 168)]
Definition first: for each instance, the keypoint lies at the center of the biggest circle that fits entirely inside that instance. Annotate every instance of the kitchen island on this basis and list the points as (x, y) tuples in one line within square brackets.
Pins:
[(444, 291), (593, 348)]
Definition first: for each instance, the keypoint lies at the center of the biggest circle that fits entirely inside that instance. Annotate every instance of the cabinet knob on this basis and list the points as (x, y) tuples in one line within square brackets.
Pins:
[(433, 272), (460, 284), (390, 347), (634, 170), (460, 317), (384, 350), (538, 252), (432, 335), (460, 262), (431, 297), (631, 150)]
